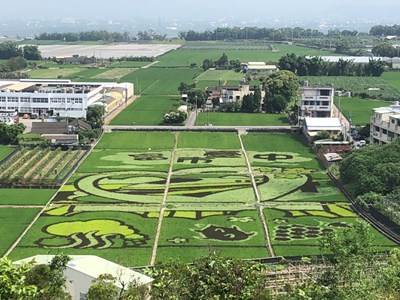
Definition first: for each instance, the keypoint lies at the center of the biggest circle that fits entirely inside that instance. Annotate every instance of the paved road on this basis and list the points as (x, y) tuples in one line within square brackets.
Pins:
[(191, 120)]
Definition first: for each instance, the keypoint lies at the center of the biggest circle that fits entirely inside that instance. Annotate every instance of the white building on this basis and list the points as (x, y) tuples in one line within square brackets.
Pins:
[(385, 124), (58, 97), (312, 126), (255, 67), (230, 94), (316, 101), (8, 116), (83, 269)]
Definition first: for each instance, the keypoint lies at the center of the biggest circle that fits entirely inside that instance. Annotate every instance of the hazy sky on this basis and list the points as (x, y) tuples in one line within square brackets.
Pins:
[(186, 9)]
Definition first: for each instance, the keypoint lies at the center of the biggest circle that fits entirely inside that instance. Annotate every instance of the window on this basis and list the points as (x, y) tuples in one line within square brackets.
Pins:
[(325, 92), (325, 103), (12, 99), (384, 131), (390, 134), (306, 102)]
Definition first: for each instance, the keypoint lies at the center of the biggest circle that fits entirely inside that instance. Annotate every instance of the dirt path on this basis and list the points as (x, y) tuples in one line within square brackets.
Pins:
[(163, 203), (191, 120), (149, 65), (258, 198)]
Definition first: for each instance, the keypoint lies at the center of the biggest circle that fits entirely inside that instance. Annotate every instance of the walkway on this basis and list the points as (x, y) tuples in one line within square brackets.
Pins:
[(191, 120)]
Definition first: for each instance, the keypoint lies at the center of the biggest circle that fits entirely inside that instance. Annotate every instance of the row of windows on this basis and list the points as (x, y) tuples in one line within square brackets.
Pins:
[(323, 103), (40, 100)]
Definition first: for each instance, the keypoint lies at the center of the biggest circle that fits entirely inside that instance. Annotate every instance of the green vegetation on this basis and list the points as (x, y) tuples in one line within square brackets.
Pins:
[(208, 140), (25, 196), (362, 87), (5, 151), (146, 110), (393, 78), (53, 73), (216, 75), (241, 119), (14, 221), (360, 110)]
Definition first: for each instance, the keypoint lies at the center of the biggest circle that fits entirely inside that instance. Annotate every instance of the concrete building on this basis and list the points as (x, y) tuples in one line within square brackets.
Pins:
[(253, 67), (317, 101), (229, 94), (8, 116), (83, 269), (385, 124), (60, 97)]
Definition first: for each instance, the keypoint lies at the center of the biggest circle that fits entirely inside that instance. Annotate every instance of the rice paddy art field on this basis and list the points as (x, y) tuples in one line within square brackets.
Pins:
[(142, 197)]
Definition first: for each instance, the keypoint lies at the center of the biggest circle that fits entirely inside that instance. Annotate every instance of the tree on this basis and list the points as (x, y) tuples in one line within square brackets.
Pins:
[(280, 87), (197, 97), (103, 288), (223, 62), (207, 64), (212, 277), (50, 279), (9, 133), (31, 52), (95, 116), (175, 117), (247, 104), (9, 49), (384, 50), (184, 88), (342, 46), (12, 281)]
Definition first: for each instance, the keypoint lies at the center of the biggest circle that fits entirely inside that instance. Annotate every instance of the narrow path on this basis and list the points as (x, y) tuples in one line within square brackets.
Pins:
[(20, 206), (258, 198), (163, 203), (149, 65), (191, 120)]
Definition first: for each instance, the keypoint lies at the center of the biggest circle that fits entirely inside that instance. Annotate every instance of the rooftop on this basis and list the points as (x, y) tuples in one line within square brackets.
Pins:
[(319, 124)]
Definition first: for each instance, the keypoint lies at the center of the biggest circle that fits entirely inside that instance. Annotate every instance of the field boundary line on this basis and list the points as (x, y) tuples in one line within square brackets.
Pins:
[(163, 202), (141, 93), (11, 248), (150, 64), (258, 198)]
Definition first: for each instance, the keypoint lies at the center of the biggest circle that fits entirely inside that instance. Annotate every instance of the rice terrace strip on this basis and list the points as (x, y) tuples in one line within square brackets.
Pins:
[(145, 197)]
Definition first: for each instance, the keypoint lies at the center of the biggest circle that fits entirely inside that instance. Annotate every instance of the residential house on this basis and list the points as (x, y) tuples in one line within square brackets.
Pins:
[(317, 101), (253, 67), (313, 126), (229, 94), (385, 124)]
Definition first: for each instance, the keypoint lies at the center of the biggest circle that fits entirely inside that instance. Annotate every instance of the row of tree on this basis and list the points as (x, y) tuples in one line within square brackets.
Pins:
[(223, 63), (315, 66), (384, 30), (10, 49), (386, 50), (93, 35), (257, 33)]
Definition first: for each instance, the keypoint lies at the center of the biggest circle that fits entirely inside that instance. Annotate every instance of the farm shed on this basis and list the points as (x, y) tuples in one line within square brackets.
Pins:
[(312, 126)]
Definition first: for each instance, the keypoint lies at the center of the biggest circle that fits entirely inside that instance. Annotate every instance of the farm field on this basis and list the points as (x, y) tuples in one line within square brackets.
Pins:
[(114, 202), (38, 167), (53, 73), (5, 151), (196, 53), (216, 75), (25, 196), (13, 222), (393, 78), (359, 109), (365, 87), (241, 119), (146, 110)]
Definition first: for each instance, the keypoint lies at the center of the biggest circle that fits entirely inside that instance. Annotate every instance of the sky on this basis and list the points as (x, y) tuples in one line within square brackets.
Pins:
[(204, 9)]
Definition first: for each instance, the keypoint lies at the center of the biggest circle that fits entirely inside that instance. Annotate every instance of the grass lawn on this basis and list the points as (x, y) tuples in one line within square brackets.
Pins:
[(5, 151), (25, 196), (208, 140), (53, 73), (393, 78), (359, 109), (136, 140), (241, 119), (13, 221), (146, 110)]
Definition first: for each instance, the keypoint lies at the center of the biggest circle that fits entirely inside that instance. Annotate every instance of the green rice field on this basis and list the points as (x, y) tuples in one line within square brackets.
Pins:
[(241, 119), (116, 200)]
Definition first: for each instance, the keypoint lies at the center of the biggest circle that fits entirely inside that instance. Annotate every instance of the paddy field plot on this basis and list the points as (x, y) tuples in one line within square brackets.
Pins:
[(53, 73), (359, 110), (241, 119), (116, 200), (5, 151)]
